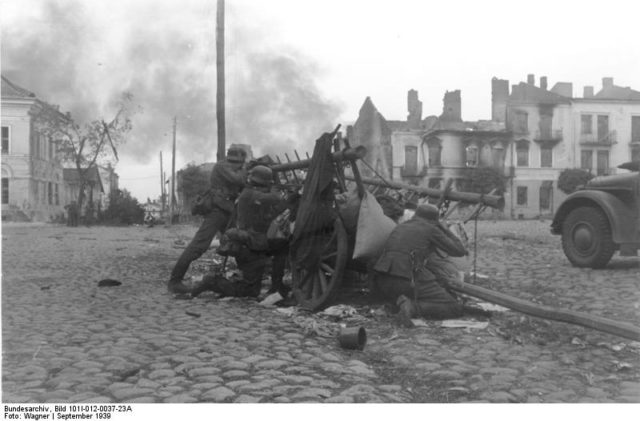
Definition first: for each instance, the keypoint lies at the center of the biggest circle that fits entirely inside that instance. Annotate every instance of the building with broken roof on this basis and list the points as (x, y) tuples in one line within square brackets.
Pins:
[(534, 133)]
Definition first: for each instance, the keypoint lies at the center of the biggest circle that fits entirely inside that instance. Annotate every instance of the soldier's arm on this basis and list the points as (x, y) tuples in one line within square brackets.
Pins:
[(236, 177), (445, 240)]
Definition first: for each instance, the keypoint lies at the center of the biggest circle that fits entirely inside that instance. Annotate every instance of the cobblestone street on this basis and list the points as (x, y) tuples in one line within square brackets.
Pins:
[(67, 340)]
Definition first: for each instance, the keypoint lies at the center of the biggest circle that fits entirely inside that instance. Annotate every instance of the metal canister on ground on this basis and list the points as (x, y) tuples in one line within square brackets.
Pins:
[(352, 337)]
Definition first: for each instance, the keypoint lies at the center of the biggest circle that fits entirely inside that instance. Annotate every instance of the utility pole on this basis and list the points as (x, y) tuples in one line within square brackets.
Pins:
[(220, 97), (161, 185), (173, 172)]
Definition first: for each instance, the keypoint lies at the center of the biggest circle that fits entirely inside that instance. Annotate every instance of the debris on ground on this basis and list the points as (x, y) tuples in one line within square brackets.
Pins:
[(109, 283), (468, 324), (271, 300), (491, 307), (340, 310), (192, 314)]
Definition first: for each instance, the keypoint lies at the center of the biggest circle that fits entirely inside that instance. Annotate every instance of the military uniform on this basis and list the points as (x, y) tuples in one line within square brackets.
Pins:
[(227, 180), (257, 208), (403, 267)]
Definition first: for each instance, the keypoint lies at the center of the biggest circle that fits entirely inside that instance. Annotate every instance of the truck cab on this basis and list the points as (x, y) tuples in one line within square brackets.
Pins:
[(601, 218)]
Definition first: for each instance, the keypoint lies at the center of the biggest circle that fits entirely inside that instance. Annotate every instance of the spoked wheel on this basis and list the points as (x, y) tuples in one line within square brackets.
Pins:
[(315, 287)]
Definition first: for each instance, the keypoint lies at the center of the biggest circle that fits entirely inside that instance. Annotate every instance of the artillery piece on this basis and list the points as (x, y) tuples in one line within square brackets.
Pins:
[(316, 283)]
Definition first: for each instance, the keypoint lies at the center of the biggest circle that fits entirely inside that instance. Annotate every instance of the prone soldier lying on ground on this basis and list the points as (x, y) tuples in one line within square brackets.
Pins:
[(257, 207)]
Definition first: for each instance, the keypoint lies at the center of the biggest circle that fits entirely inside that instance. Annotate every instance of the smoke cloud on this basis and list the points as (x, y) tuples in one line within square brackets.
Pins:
[(82, 56)]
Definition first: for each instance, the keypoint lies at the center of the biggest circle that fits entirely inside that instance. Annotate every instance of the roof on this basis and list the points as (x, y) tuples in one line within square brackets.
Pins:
[(524, 92), (71, 176), (618, 92), (11, 90)]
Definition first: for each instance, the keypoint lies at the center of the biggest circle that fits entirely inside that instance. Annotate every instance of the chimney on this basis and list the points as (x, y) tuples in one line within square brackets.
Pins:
[(452, 106), (607, 82), (499, 97), (543, 82), (531, 79), (588, 92), (414, 106)]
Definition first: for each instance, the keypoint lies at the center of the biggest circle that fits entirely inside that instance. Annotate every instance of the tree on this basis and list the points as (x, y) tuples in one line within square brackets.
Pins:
[(484, 179), (123, 209), (571, 178), (193, 180), (85, 145)]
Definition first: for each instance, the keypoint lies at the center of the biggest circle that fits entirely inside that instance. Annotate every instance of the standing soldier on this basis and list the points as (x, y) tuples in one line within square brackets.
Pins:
[(227, 180), (404, 274), (258, 206)]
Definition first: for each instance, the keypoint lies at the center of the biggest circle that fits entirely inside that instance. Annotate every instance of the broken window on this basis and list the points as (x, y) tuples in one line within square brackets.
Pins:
[(546, 195), (497, 155), (435, 153), (411, 160), (603, 127), (521, 199), (603, 162), (586, 124), (586, 160), (521, 122), (472, 156), (522, 154), (546, 156)]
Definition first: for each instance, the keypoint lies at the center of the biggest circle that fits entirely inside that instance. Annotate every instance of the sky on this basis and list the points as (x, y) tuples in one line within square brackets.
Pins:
[(295, 69)]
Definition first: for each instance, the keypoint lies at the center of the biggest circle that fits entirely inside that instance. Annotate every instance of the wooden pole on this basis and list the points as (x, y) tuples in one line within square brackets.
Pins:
[(173, 172), (220, 93), (161, 185)]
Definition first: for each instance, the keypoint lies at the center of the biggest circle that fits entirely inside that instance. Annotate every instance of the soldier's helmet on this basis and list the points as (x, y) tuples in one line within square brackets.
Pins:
[(236, 154), (261, 176), (427, 211)]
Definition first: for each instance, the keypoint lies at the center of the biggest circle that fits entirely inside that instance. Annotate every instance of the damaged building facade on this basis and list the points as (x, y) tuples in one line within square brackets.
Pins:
[(533, 135)]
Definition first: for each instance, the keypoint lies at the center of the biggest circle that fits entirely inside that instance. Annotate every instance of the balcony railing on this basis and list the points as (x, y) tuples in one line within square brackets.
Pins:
[(548, 135), (607, 139)]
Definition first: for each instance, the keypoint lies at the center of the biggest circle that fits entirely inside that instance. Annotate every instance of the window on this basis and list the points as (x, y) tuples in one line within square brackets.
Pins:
[(546, 156), (435, 154), (521, 122), (5, 139), (546, 195), (57, 195), (5, 191), (434, 183), (635, 154), (635, 128), (586, 160), (586, 124), (411, 160), (603, 162), (522, 154), (50, 193), (603, 127), (472, 156), (521, 199)]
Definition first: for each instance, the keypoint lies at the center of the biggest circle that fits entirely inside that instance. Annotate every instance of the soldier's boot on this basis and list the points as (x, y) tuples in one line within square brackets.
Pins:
[(407, 311), (177, 287), (208, 283)]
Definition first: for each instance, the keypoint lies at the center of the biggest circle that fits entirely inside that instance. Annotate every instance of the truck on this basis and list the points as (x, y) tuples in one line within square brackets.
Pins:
[(601, 218)]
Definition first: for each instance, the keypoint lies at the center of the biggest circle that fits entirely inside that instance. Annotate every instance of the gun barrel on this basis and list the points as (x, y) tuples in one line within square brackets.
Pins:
[(466, 197), (349, 154)]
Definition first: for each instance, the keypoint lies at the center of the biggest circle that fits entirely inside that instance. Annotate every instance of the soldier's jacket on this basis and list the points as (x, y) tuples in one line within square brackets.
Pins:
[(257, 207), (420, 236), (227, 181)]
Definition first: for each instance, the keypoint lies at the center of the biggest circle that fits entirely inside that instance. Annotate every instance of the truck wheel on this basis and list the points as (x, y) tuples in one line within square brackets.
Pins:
[(586, 238)]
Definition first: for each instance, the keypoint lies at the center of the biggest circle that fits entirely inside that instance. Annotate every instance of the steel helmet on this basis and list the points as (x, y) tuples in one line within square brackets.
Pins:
[(427, 211), (261, 175), (236, 154)]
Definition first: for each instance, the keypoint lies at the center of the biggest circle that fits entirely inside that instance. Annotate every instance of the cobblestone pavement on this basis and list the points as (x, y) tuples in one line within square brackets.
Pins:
[(67, 340)]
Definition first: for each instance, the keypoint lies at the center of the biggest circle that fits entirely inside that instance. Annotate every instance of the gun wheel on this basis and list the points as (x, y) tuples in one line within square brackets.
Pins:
[(315, 287)]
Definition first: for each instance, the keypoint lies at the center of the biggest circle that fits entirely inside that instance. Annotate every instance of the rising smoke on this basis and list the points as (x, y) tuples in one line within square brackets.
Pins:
[(82, 59)]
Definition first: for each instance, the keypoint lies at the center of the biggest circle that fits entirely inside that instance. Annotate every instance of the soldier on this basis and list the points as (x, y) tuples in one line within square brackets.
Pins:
[(227, 180), (402, 273), (258, 206), (72, 214)]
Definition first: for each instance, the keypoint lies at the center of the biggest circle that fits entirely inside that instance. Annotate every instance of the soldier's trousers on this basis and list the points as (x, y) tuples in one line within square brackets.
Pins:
[(211, 224), (430, 299), (253, 263)]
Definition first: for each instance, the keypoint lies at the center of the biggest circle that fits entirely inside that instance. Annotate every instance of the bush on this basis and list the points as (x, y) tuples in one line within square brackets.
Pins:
[(483, 180), (571, 178), (192, 181), (123, 209)]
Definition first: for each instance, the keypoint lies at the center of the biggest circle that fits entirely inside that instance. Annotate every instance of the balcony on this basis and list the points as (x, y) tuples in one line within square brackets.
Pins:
[(548, 136), (592, 139)]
